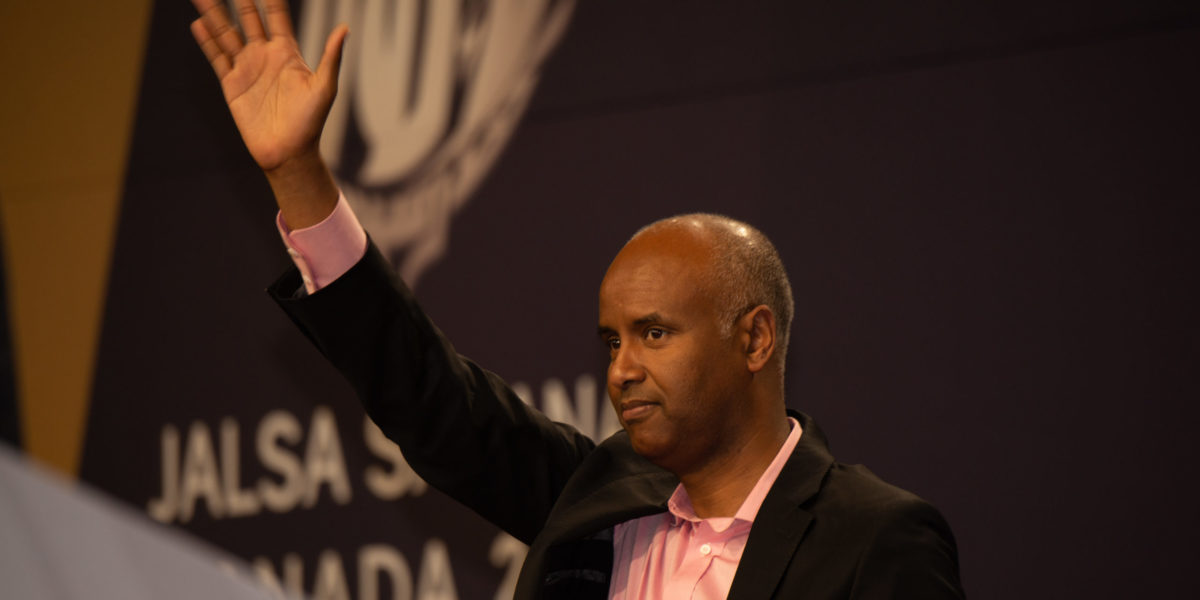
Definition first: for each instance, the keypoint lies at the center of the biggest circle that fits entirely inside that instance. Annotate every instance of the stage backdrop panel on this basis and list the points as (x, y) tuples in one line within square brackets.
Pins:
[(986, 212)]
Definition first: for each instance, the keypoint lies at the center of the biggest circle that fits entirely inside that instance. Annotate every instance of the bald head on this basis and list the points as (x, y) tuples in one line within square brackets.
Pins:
[(741, 268), (694, 311)]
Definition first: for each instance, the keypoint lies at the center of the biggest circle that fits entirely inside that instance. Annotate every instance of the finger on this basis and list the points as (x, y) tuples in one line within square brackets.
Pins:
[(252, 25), (331, 60), (279, 22), (220, 63), (216, 20)]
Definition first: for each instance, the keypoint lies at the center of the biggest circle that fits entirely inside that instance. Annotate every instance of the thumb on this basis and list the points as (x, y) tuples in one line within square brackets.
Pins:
[(331, 59)]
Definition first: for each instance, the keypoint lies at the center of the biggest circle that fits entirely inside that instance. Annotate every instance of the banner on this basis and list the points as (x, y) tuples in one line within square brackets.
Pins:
[(985, 220), (210, 411)]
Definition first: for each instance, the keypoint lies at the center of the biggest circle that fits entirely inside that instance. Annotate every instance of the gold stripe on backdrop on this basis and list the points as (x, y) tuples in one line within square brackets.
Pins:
[(71, 71)]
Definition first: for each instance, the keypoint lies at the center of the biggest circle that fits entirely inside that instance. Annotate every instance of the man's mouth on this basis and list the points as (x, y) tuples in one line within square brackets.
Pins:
[(636, 410)]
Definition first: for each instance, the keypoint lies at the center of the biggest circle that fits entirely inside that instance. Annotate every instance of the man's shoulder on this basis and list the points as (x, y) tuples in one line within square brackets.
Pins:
[(860, 505), (856, 488), (894, 536), (841, 490)]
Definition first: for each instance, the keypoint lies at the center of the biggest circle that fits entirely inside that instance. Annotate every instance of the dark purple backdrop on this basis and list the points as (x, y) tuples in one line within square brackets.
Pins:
[(985, 210)]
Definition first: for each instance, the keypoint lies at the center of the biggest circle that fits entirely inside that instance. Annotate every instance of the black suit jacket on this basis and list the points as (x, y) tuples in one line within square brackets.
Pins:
[(825, 530)]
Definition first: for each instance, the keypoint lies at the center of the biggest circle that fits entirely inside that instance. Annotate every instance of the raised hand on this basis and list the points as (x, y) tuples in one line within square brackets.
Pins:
[(278, 103)]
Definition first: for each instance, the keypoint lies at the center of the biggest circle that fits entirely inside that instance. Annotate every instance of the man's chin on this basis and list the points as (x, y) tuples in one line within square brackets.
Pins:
[(652, 446)]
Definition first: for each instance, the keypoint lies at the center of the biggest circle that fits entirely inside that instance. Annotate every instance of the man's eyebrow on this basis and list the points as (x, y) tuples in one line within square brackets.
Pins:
[(648, 319), (654, 317)]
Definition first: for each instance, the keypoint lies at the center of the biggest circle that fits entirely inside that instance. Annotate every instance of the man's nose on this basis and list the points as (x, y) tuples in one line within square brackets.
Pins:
[(625, 368)]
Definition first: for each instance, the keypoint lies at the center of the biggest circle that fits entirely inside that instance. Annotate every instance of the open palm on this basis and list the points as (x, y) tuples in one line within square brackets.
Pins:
[(278, 103)]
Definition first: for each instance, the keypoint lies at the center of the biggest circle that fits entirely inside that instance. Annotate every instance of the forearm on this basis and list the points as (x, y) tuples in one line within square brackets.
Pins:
[(461, 428)]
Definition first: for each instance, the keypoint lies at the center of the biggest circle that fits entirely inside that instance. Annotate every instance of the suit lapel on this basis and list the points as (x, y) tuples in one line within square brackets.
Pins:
[(596, 499), (782, 522)]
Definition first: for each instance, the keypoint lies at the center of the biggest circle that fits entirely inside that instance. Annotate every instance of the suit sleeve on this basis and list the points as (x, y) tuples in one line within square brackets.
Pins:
[(460, 427), (912, 555)]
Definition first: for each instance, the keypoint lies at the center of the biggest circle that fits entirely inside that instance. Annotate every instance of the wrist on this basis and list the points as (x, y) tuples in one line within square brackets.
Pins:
[(304, 189)]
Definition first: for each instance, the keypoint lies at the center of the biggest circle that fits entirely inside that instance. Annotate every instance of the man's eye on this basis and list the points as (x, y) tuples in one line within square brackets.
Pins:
[(655, 333), (613, 343)]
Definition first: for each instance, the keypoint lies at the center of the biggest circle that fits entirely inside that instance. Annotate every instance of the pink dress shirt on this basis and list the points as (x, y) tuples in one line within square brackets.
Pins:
[(328, 249), (669, 555), (677, 554)]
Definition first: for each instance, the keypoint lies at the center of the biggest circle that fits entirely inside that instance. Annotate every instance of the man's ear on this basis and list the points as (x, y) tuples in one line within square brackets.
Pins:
[(760, 324)]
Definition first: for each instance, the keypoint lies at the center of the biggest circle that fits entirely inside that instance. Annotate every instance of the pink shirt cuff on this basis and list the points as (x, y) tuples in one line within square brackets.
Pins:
[(328, 249)]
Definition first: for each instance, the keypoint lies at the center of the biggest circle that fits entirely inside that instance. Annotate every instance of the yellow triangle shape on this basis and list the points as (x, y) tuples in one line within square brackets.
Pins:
[(71, 70)]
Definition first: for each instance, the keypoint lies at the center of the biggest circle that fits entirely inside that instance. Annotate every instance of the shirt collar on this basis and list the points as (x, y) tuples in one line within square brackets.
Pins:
[(680, 504)]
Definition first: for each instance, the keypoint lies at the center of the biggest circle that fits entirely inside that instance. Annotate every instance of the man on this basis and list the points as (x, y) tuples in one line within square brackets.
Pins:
[(711, 490)]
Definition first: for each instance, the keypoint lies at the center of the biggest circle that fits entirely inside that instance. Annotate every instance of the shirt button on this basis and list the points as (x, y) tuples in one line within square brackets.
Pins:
[(706, 549)]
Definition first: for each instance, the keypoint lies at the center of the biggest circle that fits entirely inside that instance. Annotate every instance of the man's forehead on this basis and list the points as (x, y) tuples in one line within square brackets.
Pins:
[(658, 272), (648, 266), (648, 291), (677, 245)]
